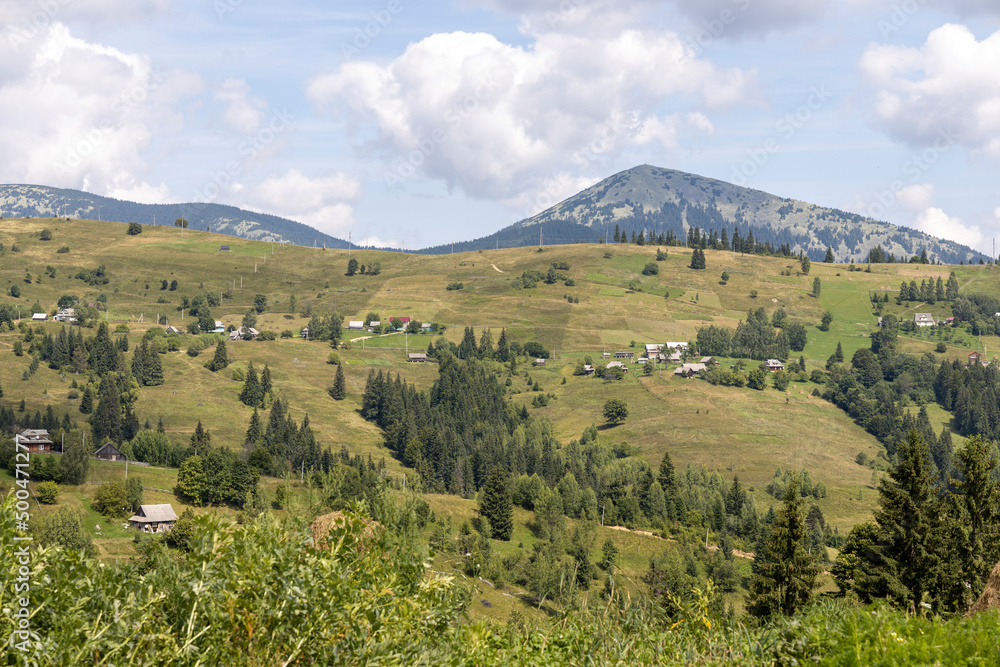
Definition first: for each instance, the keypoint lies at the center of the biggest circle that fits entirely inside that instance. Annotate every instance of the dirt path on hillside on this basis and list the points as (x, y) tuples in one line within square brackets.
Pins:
[(712, 547), (495, 267)]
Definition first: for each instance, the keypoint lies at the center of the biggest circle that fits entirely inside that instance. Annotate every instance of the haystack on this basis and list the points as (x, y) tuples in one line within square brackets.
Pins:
[(990, 599), (322, 525)]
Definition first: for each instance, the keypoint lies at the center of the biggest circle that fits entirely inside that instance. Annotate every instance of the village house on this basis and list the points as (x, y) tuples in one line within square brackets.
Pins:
[(219, 327), (374, 324), (924, 320), (305, 333), (173, 330), (774, 365), (618, 364), (539, 362), (624, 355), (109, 453), (65, 315), (976, 358), (675, 345), (39, 317), (223, 248), (689, 370), (675, 358), (241, 334), (36, 440), (588, 369), (154, 518), (417, 357), (356, 325), (653, 349), (605, 355), (709, 361)]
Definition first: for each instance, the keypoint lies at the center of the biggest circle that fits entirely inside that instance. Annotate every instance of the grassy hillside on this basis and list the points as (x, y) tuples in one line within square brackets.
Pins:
[(733, 430)]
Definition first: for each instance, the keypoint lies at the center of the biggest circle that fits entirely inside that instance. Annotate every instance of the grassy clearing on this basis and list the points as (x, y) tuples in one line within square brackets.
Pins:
[(736, 431)]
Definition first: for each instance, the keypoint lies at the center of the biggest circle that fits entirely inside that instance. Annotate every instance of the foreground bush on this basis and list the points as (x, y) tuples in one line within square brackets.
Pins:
[(260, 594)]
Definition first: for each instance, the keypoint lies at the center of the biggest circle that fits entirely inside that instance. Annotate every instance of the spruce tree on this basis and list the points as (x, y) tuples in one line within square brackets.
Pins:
[(221, 358), (667, 477), (201, 440), (254, 433), (265, 381), (106, 421), (338, 390), (87, 401), (154, 368), (503, 349), (974, 521), (496, 505), (251, 394), (784, 574), (839, 354), (828, 259), (139, 362), (906, 560)]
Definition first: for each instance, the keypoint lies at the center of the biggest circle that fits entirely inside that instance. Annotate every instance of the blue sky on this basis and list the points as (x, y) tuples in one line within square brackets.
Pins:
[(407, 122)]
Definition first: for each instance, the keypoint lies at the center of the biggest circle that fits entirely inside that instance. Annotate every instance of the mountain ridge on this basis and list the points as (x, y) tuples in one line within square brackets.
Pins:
[(655, 199), (41, 201)]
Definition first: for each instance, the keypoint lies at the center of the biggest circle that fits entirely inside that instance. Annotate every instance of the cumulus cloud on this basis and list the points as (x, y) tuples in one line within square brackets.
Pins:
[(948, 85), (495, 119), (78, 114), (243, 113), (936, 222), (323, 202)]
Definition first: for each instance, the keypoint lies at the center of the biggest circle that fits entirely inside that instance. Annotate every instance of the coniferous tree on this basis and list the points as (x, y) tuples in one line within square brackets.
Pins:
[(829, 259), (265, 381), (221, 358), (251, 394), (784, 574), (974, 521), (817, 287), (201, 440), (907, 558), (106, 421), (486, 345), (667, 477), (496, 505), (503, 349), (468, 348), (838, 355), (154, 368), (255, 432), (951, 288), (87, 401), (338, 390)]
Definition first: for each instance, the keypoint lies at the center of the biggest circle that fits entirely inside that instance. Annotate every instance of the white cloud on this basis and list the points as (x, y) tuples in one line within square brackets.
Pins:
[(916, 197), (378, 242), (78, 114), (243, 113), (495, 119), (323, 202), (143, 193), (936, 222), (949, 85)]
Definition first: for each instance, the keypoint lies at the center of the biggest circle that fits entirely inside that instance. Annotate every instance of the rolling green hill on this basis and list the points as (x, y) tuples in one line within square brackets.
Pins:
[(737, 431)]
